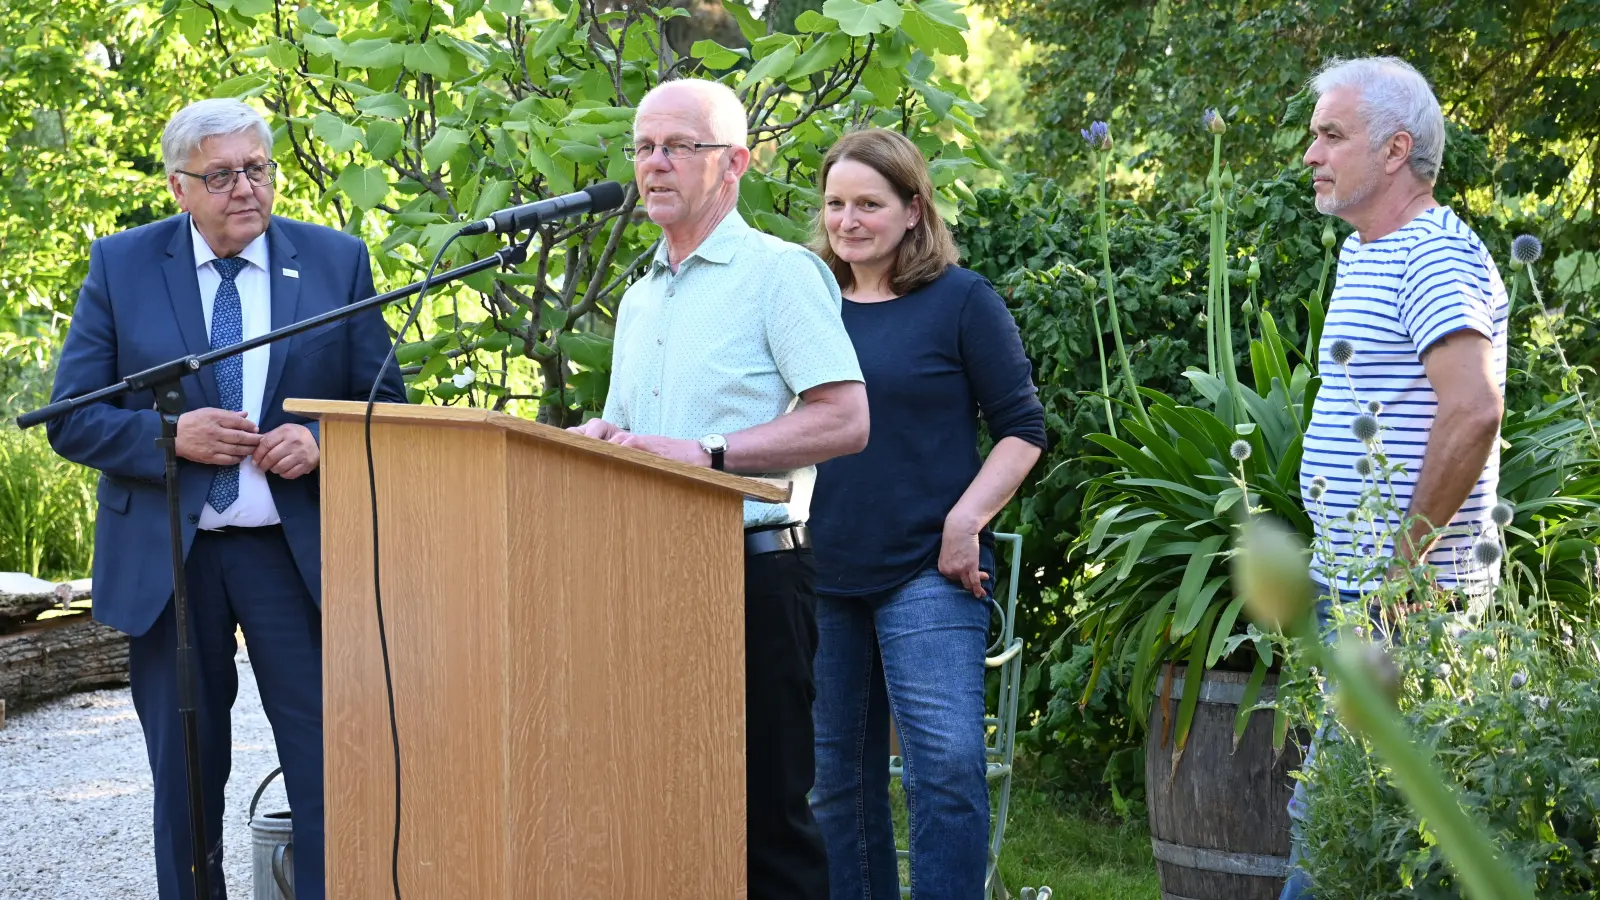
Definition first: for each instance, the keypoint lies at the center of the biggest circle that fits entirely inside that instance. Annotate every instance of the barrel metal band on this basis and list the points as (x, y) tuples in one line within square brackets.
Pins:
[(1216, 691), (1167, 896), (1220, 860)]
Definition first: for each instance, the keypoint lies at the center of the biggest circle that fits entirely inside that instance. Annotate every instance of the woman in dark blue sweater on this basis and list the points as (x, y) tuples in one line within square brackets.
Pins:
[(900, 530)]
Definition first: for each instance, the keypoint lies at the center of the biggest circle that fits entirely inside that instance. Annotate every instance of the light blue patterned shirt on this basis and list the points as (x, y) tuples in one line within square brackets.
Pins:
[(728, 342)]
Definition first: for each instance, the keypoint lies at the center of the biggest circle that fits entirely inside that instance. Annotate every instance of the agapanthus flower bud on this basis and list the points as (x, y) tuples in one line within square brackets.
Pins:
[(1374, 407), (1254, 272), (1363, 466), (1098, 134), (1201, 319), (1214, 122), (1227, 179), (1247, 308), (1486, 552), (1328, 236), (1501, 514), (1365, 428), (1518, 679), (1526, 249), (1239, 450), (1342, 351)]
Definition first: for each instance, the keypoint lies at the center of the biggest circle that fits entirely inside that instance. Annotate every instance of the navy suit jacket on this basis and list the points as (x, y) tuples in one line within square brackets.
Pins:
[(140, 306)]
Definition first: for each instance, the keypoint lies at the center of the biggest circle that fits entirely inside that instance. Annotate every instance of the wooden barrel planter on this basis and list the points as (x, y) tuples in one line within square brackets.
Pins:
[(1219, 824)]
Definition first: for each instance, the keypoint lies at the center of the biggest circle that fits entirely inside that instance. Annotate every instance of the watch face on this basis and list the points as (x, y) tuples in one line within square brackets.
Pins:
[(712, 443)]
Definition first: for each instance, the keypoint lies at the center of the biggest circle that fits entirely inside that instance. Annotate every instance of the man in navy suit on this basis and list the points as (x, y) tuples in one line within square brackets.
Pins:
[(223, 271)]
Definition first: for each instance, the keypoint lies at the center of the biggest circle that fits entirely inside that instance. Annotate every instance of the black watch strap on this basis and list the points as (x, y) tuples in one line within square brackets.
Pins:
[(716, 459)]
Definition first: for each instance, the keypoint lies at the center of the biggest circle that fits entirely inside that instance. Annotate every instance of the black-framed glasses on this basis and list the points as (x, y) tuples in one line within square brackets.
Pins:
[(222, 180), (673, 149)]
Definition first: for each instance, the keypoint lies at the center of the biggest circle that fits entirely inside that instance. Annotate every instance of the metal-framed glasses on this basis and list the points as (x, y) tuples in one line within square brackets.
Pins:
[(673, 149), (222, 180)]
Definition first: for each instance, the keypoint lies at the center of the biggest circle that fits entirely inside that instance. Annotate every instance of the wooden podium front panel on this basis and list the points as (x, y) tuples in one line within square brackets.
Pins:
[(442, 502), (626, 686)]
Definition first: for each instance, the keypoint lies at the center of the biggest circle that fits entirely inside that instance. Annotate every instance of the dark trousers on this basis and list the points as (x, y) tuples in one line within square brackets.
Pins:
[(248, 580), (786, 857)]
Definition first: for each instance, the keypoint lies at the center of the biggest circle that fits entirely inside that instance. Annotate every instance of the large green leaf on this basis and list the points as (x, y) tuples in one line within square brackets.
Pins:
[(1195, 593), (716, 56), (443, 145), (388, 106), (336, 132), (821, 54), (366, 186), (430, 58), (591, 351), (749, 26), (927, 24), (772, 66), (859, 19), (1135, 547), (383, 139), (311, 20)]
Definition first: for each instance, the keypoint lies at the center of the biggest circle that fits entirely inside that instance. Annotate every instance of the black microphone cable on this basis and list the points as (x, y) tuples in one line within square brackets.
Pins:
[(377, 580)]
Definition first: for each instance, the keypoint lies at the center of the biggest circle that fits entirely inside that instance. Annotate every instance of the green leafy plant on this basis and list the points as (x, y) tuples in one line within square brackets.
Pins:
[(46, 509)]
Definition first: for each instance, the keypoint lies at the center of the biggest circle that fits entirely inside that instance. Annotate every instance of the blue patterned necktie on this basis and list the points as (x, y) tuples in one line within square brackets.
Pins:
[(227, 328)]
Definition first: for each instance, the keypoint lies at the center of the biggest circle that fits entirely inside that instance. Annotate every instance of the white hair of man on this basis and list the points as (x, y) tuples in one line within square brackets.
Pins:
[(206, 119), (725, 114), (1394, 98)]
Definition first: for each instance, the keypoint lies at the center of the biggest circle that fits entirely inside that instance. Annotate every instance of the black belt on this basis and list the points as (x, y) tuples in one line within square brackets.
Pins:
[(242, 529), (772, 540)]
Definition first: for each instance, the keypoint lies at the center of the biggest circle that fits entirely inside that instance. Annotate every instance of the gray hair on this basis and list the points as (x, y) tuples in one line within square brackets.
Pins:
[(205, 119), (1394, 98), (725, 114)]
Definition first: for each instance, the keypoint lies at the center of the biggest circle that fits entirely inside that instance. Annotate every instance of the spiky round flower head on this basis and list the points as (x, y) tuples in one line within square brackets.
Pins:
[(1328, 235), (1314, 492), (1491, 654), (1501, 514), (1351, 517), (1486, 552), (1214, 122), (1518, 679), (1443, 671), (1374, 406), (1363, 466), (1341, 352), (1526, 249), (1365, 428), (1320, 481), (1098, 134), (1239, 450), (1541, 702)]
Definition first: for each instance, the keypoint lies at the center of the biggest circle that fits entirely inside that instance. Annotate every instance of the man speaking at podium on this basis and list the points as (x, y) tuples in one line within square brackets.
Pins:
[(223, 272), (713, 345)]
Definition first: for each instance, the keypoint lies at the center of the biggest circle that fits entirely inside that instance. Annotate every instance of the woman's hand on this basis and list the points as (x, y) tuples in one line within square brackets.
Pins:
[(958, 559)]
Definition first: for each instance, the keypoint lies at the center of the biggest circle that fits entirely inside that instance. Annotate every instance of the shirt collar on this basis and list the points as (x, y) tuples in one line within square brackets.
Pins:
[(718, 247), (254, 253)]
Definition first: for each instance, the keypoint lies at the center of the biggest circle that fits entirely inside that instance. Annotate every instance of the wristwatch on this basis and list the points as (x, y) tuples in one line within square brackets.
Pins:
[(716, 445)]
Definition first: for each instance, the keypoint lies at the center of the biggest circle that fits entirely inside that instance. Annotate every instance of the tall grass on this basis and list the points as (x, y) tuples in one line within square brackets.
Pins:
[(46, 508)]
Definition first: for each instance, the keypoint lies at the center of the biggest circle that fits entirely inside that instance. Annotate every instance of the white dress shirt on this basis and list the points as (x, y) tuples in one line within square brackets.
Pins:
[(254, 506)]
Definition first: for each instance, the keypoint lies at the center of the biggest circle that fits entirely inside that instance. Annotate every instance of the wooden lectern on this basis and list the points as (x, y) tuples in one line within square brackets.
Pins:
[(565, 626)]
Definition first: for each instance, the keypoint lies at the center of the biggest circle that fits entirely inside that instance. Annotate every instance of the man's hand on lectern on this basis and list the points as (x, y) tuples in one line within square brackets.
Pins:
[(597, 428)]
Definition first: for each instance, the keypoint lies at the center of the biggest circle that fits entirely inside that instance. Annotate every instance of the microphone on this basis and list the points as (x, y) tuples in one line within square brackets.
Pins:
[(595, 198)]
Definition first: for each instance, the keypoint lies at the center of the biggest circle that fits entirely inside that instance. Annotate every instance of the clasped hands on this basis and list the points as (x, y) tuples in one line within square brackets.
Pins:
[(225, 437)]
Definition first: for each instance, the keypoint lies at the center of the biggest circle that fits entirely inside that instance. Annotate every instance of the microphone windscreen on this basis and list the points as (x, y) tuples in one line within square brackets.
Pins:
[(603, 196)]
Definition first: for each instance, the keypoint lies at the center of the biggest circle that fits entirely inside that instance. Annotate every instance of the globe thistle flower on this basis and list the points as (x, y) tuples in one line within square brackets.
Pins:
[(1342, 352), (1320, 482), (1350, 516), (1541, 702), (1526, 249), (1518, 679), (1444, 670), (1501, 514), (1486, 552), (1365, 428), (1363, 466), (1098, 135), (1239, 450), (1315, 491), (1214, 122), (1491, 654), (1374, 407)]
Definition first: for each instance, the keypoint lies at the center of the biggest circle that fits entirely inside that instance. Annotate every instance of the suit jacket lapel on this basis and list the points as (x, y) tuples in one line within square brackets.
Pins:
[(281, 254), (183, 289)]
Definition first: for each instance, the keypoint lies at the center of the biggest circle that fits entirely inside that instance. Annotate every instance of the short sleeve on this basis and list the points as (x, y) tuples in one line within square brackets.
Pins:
[(1446, 288), (804, 331), (616, 408)]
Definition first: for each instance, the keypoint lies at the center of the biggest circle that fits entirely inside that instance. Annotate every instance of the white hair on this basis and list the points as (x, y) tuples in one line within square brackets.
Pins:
[(205, 119), (1394, 98), (723, 110)]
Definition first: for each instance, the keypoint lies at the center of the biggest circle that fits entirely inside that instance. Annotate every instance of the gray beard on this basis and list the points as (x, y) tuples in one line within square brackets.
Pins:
[(1330, 204)]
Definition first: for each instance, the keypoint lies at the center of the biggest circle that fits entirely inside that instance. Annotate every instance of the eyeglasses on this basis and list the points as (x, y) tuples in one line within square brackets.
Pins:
[(222, 180), (673, 149)]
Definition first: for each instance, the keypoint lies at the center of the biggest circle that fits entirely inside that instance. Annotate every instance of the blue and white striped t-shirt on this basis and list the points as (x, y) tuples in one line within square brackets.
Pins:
[(1393, 298)]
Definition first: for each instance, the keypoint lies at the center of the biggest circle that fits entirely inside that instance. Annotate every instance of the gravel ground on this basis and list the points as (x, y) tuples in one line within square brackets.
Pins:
[(75, 797)]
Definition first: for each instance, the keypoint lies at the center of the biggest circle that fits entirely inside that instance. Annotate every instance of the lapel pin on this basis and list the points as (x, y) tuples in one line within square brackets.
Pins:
[(291, 273)]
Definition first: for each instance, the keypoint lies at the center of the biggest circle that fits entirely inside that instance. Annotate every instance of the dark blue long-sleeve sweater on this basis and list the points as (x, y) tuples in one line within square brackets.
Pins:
[(933, 360)]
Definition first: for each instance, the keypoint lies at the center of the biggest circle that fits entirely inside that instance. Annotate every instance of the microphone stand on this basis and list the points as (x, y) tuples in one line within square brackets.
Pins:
[(166, 380)]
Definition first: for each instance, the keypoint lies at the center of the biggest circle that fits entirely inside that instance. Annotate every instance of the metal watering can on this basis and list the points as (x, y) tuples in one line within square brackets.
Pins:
[(272, 849)]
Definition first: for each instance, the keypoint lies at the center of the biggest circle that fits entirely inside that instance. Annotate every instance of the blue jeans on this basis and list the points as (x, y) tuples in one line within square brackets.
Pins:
[(915, 652)]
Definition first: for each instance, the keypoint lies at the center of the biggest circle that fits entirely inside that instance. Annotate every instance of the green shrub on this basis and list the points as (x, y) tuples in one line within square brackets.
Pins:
[(47, 508), (1512, 716)]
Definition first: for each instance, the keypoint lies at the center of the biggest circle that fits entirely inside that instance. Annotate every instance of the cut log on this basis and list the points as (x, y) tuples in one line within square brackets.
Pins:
[(58, 655), (23, 597)]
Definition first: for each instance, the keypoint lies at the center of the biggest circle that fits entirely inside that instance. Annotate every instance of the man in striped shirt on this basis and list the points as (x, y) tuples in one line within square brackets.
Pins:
[(1413, 353)]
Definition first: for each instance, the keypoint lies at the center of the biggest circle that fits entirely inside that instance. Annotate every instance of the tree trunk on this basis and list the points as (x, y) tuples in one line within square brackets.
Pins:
[(59, 655)]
